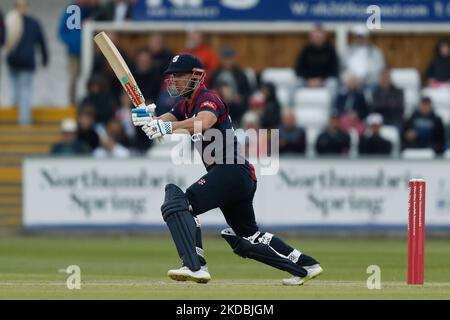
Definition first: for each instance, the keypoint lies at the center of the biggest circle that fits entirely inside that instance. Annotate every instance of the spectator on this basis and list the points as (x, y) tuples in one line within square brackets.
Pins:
[(351, 99), (71, 37), (160, 54), (195, 44), (231, 80), (109, 145), (102, 68), (438, 72), (147, 75), (265, 102), (333, 140), (21, 56), (86, 127), (363, 59), (388, 100), (317, 63), (292, 137), (372, 143), (99, 99), (70, 145), (424, 129), (115, 10)]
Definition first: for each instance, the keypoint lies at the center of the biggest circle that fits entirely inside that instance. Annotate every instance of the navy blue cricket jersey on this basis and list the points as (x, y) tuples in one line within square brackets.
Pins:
[(231, 153)]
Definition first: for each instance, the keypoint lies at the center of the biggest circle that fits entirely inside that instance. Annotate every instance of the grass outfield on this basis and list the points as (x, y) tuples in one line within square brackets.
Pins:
[(135, 268)]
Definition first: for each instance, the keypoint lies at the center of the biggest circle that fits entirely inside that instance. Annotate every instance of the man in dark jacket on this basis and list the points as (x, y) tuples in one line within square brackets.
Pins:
[(116, 10), (424, 129), (388, 100), (22, 62), (318, 61), (229, 74), (292, 137), (333, 141)]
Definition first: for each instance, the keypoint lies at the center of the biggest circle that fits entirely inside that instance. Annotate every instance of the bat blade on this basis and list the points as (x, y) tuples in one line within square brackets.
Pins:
[(120, 69)]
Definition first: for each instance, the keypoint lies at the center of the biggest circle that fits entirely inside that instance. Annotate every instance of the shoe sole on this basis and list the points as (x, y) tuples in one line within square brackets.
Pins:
[(305, 279), (180, 277)]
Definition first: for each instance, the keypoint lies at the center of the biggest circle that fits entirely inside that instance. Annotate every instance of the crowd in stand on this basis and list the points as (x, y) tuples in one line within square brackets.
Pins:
[(364, 99)]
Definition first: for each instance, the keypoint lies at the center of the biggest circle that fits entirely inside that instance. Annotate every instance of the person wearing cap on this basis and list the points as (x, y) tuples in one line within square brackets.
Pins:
[(231, 80), (372, 143), (424, 129), (229, 184), (362, 58), (70, 145), (195, 44)]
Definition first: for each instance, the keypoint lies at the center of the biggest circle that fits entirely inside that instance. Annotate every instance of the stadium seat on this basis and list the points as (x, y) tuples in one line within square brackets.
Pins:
[(312, 106), (418, 154), (354, 142), (441, 101), (251, 77), (280, 77), (447, 154), (284, 96), (391, 134), (312, 133), (406, 78), (411, 99)]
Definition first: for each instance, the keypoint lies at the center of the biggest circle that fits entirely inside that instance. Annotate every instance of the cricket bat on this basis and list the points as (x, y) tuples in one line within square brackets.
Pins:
[(121, 70)]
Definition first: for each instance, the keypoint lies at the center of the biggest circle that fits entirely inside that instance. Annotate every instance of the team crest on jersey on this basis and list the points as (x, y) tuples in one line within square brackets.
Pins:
[(201, 182), (210, 104)]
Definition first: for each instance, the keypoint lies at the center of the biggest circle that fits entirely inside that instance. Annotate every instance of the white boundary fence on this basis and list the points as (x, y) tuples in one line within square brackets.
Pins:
[(322, 193)]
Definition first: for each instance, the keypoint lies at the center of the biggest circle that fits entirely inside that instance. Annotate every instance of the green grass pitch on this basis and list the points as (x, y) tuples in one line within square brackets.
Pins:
[(123, 267)]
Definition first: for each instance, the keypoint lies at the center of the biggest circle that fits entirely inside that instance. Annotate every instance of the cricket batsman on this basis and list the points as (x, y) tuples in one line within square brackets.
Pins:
[(229, 184)]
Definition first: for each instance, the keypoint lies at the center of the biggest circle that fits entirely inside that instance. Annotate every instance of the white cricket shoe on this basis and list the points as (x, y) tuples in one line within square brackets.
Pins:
[(313, 271), (185, 274)]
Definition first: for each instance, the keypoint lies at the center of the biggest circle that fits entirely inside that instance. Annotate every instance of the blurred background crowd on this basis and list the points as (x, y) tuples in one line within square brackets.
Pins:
[(348, 104)]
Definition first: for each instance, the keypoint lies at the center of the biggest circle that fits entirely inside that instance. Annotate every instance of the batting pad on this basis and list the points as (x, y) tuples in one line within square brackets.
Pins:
[(261, 252), (182, 225)]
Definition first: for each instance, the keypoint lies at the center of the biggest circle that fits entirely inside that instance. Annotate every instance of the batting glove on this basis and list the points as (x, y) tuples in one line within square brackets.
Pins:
[(157, 128), (142, 115)]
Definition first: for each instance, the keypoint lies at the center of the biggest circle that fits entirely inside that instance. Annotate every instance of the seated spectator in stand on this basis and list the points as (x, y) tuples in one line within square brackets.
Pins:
[(424, 129), (236, 109), (195, 44), (266, 104), (388, 101), (317, 63), (363, 59), (147, 76), (70, 145), (231, 80), (102, 69), (292, 137), (110, 147), (115, 10), (351, 105), (160, 54), (86, 127), (372, 143), (438, 72), (100, 99), (333, 140)]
